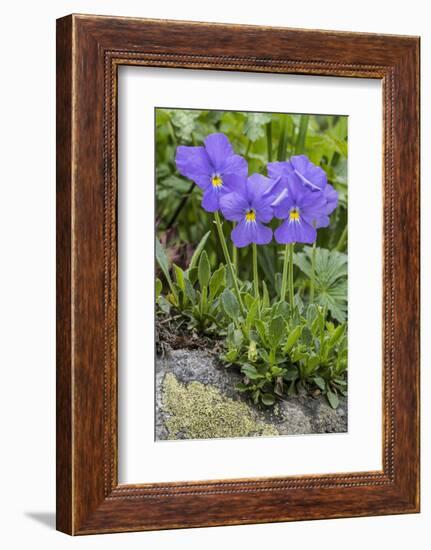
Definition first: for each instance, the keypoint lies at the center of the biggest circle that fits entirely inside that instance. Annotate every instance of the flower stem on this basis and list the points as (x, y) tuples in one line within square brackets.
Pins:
[(228, 260), (255, 273), (313, 273), (291, 291), (235, 253), (284, 276)]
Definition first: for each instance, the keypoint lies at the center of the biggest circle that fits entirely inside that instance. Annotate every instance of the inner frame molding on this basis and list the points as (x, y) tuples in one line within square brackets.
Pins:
[(113, 60), (89, 498)]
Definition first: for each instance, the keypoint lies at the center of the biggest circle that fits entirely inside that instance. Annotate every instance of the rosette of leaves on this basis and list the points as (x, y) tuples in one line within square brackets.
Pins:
[(194, 292), (281, 352)]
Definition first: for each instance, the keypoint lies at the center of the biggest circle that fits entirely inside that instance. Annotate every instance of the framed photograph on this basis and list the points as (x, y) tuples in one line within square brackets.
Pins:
[(237, 274)]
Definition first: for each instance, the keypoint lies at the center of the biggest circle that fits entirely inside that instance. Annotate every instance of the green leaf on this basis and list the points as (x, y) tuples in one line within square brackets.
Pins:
[(248, 300), (293, 338), (264, 356), (190, 291), (162, 260), (197, 252), (250, 371), (281, 308), (277, 330), (328, 143), (184, 122), (230, 304), (217, 281), (291, 374), (330, 326), (192, 275), (173, 297), (318, 323), (336, 335), (162, 117), (265, 295), (311, 313), (267, 399), (164, 305), (330, 278), (179, 277), (159, 287), (297, 355), (312, 362), (320, 383), (299, 304), (204, 270), (332, 399), (231, 356), (230, 335), (252, 313), (262, 329), (237, 338), (254, 127), (307, 336), (173, 185)]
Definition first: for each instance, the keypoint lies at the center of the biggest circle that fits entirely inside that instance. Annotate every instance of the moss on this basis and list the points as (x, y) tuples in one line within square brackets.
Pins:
[(199, 411)]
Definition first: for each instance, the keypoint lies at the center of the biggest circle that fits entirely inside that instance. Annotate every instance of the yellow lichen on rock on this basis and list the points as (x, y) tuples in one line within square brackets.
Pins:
[(199, 411)]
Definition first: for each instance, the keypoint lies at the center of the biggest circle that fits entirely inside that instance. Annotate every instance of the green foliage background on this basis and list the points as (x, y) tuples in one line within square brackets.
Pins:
[(259, 137)]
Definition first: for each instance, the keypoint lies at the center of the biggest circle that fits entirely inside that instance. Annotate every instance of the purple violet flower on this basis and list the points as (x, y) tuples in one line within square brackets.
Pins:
[(331, 197), (300, 208), (300, 170), (250, 206), (211, 167)]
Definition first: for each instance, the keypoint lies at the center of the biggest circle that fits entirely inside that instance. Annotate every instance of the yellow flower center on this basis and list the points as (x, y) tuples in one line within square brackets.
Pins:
[(216, 181), (294, 214), (250, 216)]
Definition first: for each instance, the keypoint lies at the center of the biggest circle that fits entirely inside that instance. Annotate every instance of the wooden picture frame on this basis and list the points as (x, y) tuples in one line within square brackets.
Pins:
[(89, 51)]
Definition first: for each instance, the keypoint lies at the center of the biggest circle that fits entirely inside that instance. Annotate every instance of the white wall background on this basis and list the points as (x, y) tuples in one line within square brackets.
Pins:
[(27, 280)]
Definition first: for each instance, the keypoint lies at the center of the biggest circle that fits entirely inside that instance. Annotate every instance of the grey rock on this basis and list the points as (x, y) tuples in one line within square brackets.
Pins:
[(295, 415), (200, 366)]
